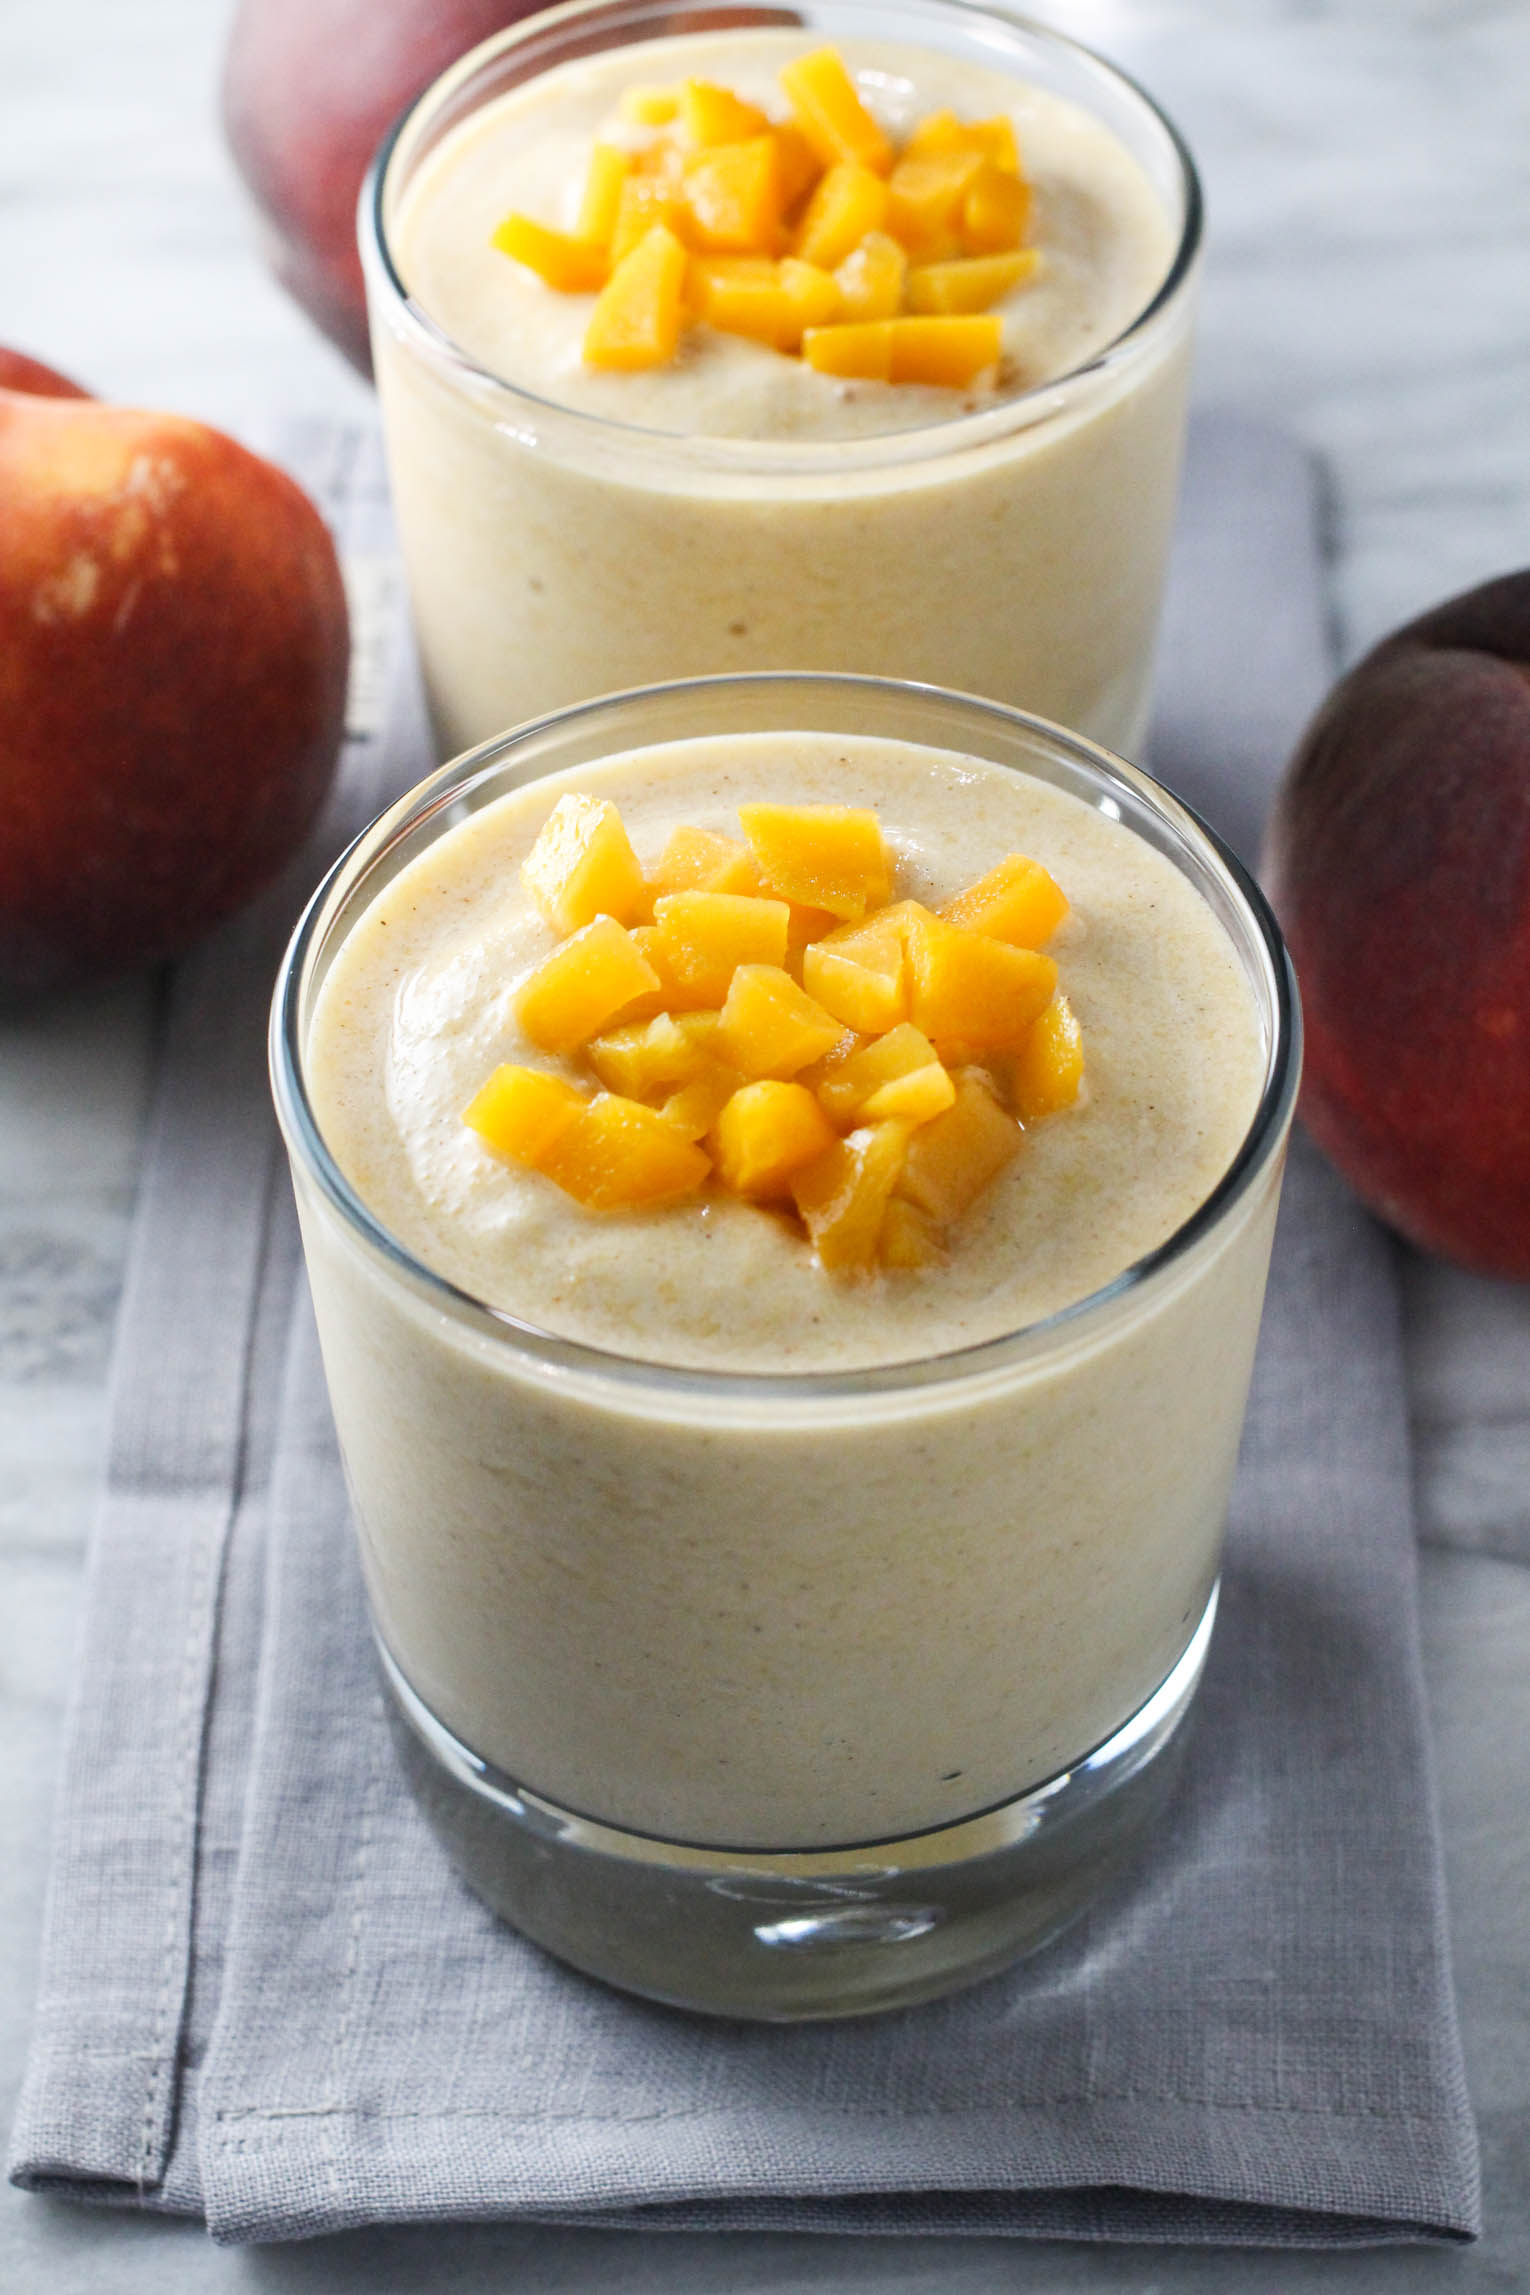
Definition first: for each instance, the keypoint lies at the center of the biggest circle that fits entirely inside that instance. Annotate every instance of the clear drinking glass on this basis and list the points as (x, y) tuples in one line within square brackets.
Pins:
[(1016, 551), (605, 1753)]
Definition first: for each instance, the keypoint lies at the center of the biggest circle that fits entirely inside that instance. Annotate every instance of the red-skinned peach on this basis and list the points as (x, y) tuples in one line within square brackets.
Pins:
[(1399, 864), (173, 652)]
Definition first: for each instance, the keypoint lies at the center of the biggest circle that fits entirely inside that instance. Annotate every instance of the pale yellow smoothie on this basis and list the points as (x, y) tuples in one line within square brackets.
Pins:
[(570, 531), (755, 1613)]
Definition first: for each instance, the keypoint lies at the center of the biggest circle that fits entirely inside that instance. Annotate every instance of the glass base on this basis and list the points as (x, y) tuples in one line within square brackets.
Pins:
[(794, 1934)]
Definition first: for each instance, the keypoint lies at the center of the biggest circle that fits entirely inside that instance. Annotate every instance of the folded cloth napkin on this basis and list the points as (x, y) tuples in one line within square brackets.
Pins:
[(267, 2000)]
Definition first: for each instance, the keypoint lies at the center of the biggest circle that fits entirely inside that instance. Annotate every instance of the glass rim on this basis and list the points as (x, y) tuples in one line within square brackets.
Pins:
[(1020, 411), (552, 1353)]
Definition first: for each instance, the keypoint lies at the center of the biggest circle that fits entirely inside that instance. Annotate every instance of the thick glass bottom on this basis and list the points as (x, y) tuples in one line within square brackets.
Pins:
[(787, 1935)]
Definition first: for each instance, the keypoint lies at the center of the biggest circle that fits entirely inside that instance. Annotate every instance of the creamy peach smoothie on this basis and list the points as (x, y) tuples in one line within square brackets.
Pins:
[(571, 530), (844, 1609)]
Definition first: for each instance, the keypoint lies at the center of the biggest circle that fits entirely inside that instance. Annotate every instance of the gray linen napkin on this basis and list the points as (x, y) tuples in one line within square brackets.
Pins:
[(267, 2000)]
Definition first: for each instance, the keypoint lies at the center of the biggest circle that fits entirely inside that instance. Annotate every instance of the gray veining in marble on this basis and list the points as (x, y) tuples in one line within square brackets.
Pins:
[(1368, 283)]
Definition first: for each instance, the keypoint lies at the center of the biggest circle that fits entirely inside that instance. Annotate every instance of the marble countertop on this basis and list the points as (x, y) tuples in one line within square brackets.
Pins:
[(1370, 216)]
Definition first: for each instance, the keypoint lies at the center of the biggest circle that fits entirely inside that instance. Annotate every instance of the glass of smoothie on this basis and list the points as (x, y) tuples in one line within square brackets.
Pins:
[(570, 528), (771, 1630)]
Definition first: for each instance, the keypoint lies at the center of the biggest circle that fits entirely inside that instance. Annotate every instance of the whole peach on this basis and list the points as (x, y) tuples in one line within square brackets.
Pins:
[(173, 653), (1399, 864)]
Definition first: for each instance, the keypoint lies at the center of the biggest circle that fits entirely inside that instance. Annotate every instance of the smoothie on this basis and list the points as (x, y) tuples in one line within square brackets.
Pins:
[(571, 530), (840, 1596)]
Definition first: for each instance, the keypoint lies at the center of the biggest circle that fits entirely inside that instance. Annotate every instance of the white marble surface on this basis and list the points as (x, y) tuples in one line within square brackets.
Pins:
[(1370, 221)]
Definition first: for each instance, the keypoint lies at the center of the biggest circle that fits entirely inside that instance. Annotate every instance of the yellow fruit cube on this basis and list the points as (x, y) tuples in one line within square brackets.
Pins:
[(830, 113), (672, 995), (609, 168), (710, 115), (638, 313), (650, 107), (1017, 901), (924, 200), (651, 1056), (942, 132), (564, 262), (826, 856), (913, 1099), (696, 1106), (909, 1237), (582, 865), (620, 1154), (1049, 1067), (861, 352), (587, 981), (996, 212), (965, 988), (810, 298), (642, 202), (860, 975), (847, 203), (971, 282), (739, 295), (765, 1132), (870, 281), (771, 1027), (843, 1194), (733, 195), (845, 1086), (798, 165), (949, 1162), (705, 936), (522, 1113), (950, 353)]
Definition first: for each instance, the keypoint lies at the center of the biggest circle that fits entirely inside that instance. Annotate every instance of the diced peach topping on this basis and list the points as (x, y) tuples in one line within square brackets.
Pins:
[(586, 981), (830, 113), (805, 234), (829, 856), (765, 1132), (582, 865), (637, 315), (865, 1093)]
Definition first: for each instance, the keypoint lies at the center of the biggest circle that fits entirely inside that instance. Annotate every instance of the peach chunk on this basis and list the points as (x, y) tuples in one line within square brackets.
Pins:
[(650, 106), (826, 856), (844, 1086), (965, 988), (924, 200), (847, 203), (522, 1113), (582, 865), (860, 974), (909, 1238), (768, 1130), (971, 282), (586, 981), (843, 1195), (637, 316), (771, 1027), (711, 114), (643, 201), (733, 195), (650, 1056), (705, 936), (810, 298), (996, 212), (571, 265), (620, 1153), (598, 209), (695, 1108), (912, 1099), (1017, 901), (830, 113), (1049, 1067), (870, 281), (739, 295), (941, 132), (949, 1162)]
